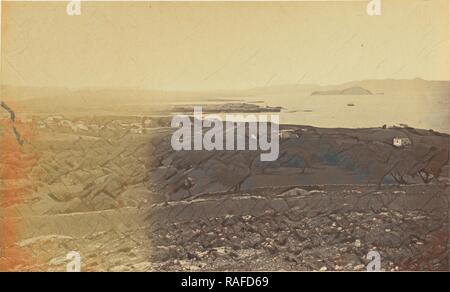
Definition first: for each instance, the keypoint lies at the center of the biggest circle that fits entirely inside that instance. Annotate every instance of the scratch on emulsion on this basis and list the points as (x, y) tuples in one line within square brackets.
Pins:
[(12, 114)]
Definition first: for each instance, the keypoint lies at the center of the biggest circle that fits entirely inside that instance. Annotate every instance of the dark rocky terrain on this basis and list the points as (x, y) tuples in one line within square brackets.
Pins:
[(331, 197), (325, 228), (308, 156)]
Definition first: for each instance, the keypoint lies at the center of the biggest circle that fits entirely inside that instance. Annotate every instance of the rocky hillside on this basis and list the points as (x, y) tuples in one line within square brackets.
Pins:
[(309, 156), (112, 188)]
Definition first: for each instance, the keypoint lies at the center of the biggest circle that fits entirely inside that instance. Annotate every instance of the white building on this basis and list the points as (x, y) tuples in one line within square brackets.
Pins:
[(401, 142)]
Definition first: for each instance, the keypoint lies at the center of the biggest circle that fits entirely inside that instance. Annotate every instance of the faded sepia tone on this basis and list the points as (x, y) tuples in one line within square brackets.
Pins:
[(87, 165)]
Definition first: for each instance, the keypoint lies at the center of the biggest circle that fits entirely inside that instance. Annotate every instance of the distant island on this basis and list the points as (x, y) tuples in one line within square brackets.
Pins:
[(356, 90)]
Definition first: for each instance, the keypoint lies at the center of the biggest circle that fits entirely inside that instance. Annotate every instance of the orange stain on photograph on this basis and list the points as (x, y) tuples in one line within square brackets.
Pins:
[(16, 162)]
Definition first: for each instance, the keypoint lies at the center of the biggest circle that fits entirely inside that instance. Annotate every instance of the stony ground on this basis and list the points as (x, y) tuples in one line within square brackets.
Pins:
[(107, 188), (325, 229)]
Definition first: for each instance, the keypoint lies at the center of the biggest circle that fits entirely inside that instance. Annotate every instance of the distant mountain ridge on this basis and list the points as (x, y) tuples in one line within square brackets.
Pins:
[(356, 90)]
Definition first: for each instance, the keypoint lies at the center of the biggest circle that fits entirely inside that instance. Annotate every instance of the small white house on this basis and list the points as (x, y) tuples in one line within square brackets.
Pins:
[(401, 142)]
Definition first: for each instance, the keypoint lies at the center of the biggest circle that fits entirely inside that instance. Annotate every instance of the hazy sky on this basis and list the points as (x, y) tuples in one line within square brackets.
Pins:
[(203, 46)]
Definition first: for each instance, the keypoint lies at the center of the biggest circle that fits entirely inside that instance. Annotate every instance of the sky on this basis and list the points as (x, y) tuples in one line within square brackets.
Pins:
[(216, 45)]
